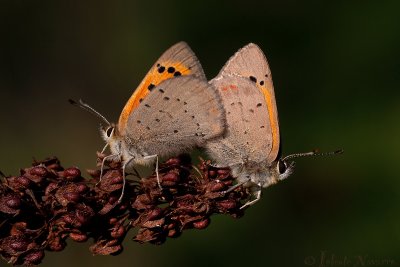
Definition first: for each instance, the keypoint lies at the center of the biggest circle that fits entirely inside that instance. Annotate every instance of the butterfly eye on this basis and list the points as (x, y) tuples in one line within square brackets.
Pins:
[(109, 131), (282, 167)]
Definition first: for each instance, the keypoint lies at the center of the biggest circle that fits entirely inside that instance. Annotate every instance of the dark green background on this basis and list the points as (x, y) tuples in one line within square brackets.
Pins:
[(336, 69)]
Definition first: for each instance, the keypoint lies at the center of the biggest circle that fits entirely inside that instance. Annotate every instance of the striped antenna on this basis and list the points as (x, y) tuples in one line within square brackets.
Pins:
[(89, 109), (313, 153)]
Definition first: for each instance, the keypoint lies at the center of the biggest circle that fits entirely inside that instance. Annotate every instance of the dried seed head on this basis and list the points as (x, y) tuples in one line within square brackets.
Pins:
[(13, 202), (173, 161), (212, 173), (82, 188), (18, 229), (226, 204), (67, 194), (78, 237), (10, 204), (169, 179), (50, 189), (118, 232), (72, 174), (215, 186), (72, 196), (56, 244), (106, 247), (202, 224), (38, 171), (19, 244), (34, 257), (59, 203), (23, 181), (20, 183)]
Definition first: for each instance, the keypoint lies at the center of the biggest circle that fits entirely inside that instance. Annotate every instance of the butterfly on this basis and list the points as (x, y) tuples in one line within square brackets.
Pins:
[(173, 110), (251, 145)]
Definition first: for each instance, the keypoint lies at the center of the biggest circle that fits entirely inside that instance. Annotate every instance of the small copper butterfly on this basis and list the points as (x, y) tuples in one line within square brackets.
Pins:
[(173, 110), (251, 144)]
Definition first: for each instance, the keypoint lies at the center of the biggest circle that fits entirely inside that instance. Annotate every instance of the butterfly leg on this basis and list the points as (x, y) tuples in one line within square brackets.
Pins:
[(216, 165), (158, 177), (123, 179), (258, 196), (234, 187), (241, 182), (104, 149), (102, 167)]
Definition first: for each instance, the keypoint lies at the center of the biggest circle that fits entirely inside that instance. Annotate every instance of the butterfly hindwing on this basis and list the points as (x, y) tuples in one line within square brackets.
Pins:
[(178, 114)]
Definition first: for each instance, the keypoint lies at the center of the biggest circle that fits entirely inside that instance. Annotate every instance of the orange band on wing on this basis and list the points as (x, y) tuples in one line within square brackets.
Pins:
[(272, 118), (152, 79)]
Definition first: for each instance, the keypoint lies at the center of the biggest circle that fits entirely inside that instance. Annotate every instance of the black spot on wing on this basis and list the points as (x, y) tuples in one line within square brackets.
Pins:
[(161, 69)]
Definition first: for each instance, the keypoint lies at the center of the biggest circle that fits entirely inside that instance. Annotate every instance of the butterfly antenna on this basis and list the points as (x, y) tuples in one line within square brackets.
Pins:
[(89, 109), (313, 153)]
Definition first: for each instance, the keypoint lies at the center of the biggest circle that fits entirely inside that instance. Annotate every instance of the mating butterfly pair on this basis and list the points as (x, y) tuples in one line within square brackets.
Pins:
[(233, 116)]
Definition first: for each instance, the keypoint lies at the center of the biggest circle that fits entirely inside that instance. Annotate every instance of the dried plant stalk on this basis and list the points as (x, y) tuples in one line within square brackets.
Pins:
[(46, 204)]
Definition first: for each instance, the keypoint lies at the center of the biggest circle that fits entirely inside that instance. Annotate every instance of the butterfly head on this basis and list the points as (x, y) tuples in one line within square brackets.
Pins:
[(112, 138), (281, 169)]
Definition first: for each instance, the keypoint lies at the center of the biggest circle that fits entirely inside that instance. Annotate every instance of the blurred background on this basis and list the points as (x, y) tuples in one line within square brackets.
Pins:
[(336, 69)]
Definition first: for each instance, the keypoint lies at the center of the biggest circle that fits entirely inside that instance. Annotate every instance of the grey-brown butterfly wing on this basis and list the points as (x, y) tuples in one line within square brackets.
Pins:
[(250, 62), (177, 115), (248, 136), (179, 60)]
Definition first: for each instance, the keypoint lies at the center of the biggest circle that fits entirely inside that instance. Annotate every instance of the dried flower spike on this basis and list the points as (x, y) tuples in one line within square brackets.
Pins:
[(46, 204)]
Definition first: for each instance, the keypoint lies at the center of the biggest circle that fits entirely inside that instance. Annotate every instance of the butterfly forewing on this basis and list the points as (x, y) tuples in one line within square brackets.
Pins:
[(248, 136), (250, 62), (179, 60)]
